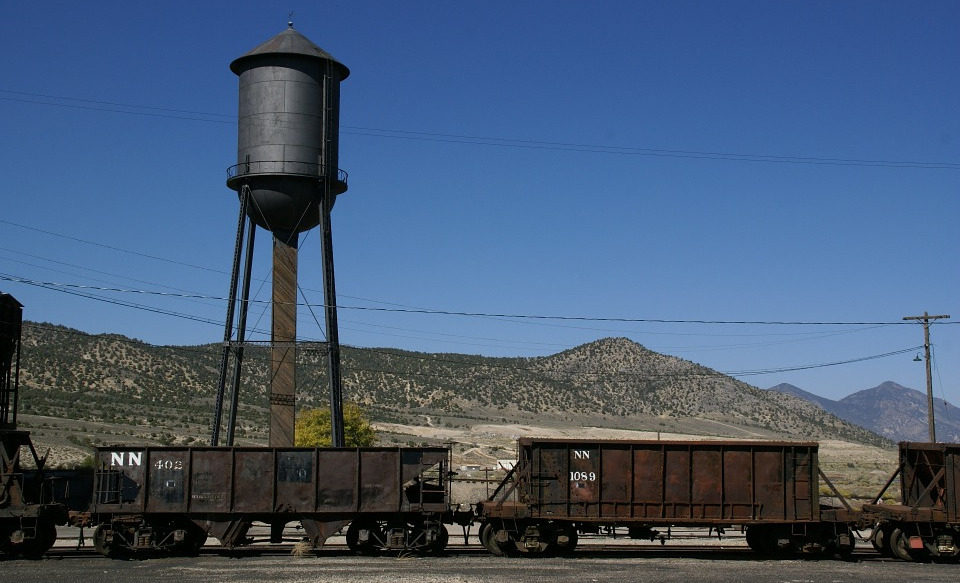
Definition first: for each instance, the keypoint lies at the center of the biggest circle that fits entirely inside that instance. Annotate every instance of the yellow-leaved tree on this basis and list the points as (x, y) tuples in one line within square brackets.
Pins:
[(312, 428)]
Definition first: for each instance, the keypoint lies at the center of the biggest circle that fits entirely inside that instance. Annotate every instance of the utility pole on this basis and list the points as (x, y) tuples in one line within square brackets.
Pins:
[(926, 349)]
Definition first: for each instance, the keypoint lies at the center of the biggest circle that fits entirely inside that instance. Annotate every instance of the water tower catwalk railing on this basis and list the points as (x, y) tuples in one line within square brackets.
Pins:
[(285, 167)]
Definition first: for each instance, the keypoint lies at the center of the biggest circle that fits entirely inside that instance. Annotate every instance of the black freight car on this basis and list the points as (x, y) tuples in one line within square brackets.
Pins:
[(169, 499), (559, 488), (926, 522)]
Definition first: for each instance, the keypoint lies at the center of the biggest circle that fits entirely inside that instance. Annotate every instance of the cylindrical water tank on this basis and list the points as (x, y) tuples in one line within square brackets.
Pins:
[(289, 120)]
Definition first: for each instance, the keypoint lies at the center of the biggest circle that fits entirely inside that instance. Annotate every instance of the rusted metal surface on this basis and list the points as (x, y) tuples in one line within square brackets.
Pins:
[(295, 483), (929, 484), (930, 477), (925, 523), (657, 482)]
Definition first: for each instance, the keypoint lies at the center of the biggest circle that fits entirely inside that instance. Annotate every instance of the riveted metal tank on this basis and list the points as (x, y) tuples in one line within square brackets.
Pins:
[(289, 120)]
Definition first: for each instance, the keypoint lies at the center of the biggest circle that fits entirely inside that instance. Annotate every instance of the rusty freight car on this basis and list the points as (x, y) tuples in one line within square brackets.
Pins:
[(29, 514), (560, 488), (926, 522), (169, 499)]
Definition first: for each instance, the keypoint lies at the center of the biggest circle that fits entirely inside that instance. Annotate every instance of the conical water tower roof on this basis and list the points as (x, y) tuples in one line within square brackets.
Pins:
[(288, 42)]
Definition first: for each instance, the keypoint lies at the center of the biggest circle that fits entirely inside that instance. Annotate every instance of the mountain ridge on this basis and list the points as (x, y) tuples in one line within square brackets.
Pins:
[(611, 382), (896, 412)]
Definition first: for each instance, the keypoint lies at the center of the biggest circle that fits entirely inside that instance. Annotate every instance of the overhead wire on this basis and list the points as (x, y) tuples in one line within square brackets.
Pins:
[(499, 315), (163, 112), (540, 319), (440, 359)]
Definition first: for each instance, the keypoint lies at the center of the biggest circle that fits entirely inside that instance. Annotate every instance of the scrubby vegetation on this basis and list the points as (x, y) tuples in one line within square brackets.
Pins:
[(165, 394)]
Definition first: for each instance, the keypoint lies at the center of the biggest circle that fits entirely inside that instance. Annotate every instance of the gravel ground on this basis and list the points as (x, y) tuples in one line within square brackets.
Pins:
[(470, 567), (683, 560)]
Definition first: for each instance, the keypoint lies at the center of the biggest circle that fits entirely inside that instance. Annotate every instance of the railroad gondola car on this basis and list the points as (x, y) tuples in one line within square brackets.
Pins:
[(150, 500), (560, 488)]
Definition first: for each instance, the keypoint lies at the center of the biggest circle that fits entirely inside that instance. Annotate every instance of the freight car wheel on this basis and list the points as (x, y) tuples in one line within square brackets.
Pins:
[(17, 543), (900, 546), (772, 540), (761, 540), (883, 539), (102, 541), (364, 536), (194, 538), (844, 552), (488, 536), (879, 541), (46, 535), (565, 538), (440, 541)]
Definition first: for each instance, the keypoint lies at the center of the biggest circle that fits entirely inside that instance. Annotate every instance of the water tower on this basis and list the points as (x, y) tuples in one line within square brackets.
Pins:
[(287, 180)]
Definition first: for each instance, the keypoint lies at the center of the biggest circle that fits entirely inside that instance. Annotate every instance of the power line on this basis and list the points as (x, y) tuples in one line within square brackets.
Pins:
[(821, 365), (132, 109), (635, 151), (791, 335), (110, 247), (60, 285)]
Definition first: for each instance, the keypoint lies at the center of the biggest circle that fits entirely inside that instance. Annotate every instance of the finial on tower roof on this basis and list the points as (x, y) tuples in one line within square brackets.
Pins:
[(290, 22)]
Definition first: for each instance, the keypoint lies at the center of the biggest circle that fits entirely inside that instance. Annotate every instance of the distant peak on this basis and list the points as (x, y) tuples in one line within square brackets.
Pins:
[(890, 385)]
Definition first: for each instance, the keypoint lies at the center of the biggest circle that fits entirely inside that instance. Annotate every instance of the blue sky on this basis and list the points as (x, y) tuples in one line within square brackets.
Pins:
[(602, 165)]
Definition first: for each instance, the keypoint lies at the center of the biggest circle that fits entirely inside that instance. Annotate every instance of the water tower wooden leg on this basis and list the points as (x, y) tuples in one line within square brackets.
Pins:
[(283, 343)]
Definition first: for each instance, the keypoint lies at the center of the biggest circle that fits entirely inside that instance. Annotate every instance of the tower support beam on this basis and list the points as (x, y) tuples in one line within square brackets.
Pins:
[(283, 338)]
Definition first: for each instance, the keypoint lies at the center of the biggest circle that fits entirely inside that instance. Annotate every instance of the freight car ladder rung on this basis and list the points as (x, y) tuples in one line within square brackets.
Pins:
[(109, 484), (802, 496)]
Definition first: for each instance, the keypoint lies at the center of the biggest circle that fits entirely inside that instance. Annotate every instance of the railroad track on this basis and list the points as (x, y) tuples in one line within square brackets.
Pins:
[(590, 549)]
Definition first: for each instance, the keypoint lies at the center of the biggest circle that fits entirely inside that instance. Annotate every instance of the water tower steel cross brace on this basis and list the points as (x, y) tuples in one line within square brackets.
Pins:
[(287, 181)]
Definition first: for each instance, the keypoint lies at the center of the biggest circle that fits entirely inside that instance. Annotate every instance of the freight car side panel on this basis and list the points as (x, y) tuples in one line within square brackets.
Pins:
[(264, 481), (738, 484), (296, 481), (253, 481), (167, 471), (337, 487), (379, 481), (675, 482), (210, 472)]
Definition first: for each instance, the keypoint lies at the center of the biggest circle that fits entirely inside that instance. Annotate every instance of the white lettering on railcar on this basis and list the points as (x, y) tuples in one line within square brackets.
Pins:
[(581, 454), (583, 476), (168, 464), (134, 458)]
